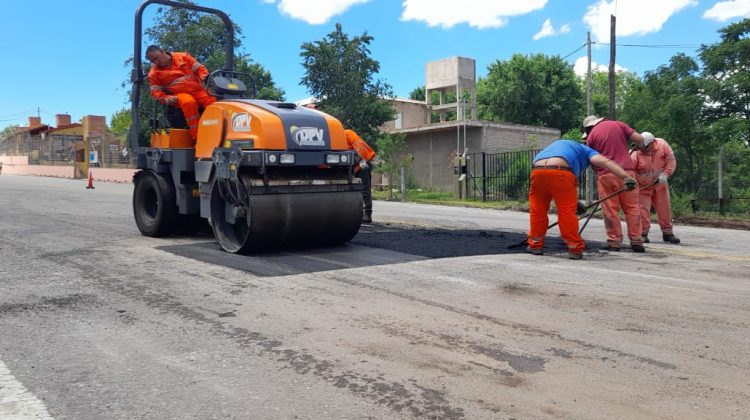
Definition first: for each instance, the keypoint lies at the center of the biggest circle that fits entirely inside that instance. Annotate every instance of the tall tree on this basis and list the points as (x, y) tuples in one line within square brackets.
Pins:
[(670, 104), (535, 90), (119, 124), (624, 83), (727, 72), (341, 74)]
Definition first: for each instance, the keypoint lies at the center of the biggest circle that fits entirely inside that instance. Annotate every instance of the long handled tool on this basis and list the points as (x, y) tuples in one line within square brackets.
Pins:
[(587, 216)]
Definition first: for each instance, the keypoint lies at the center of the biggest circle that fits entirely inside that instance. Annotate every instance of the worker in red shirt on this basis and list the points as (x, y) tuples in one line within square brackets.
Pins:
[(610, 138), (177, 79), (362, 170), (655, 162)]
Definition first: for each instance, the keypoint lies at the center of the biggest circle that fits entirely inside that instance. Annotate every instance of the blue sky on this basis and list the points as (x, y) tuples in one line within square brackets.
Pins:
[(68, 56)]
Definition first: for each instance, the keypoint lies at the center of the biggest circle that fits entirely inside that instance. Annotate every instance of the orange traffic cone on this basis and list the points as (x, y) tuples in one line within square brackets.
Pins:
[(91, 181)]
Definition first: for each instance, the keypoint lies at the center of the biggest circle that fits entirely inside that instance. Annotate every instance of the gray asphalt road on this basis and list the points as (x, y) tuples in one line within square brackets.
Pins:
[(426, 314)]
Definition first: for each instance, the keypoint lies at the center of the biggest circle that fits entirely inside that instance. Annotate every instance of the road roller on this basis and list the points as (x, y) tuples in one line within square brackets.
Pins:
[(264, 175)]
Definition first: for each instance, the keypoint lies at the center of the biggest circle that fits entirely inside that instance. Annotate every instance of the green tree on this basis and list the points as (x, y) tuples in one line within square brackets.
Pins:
[(120, 122), (727, 73), (417, 94), (670, 104), (391, 157), (624, 83), (341, 74), (535, 90)]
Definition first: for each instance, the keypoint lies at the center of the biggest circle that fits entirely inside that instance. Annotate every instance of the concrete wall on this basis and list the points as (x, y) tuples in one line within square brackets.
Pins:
[(510, 137), (449, 72), (433, 153), (413, 114), (15, 165), (434, 147)]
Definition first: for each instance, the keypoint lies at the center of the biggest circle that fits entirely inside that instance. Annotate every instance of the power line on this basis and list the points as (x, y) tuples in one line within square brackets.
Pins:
[(19, 114), (652, 45), (577, 49)]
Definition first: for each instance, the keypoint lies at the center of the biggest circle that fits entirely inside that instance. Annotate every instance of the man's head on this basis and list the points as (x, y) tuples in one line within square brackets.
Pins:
[(589, 123), (158, 56), (648, 138)]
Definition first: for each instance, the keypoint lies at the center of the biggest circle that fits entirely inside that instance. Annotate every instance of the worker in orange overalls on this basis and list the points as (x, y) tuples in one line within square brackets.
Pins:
[(177, 79), (655, 162), (555, 177), (362, 170)]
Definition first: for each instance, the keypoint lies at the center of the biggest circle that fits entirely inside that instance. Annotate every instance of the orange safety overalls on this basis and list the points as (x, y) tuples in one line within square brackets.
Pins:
[(648, 165), (184, 80)]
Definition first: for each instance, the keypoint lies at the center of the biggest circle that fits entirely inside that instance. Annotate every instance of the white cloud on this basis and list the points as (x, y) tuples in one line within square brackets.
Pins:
[(549, 30), (634, 17), (580, 67), (725, 10), (480, 14), (314, 12)]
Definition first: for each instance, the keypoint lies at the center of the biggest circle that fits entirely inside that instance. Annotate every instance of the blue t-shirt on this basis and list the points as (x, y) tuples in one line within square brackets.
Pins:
[(576, 154)]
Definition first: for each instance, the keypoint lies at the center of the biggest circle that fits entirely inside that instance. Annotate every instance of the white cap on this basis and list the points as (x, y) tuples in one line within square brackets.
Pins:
[(648, 138)]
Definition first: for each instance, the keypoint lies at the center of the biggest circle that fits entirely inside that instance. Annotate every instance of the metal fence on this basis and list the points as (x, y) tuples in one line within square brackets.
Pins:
[(506, 176), (105, 150), (503, 176)]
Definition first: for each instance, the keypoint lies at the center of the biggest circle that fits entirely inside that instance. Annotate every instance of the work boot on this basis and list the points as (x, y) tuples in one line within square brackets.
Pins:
[(610, 248), (637, 248), (671, 238), (367, 218), (535, 251), (575, 255), (645, 238)]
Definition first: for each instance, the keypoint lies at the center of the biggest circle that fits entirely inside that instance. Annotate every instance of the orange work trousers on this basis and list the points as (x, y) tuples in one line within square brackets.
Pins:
[(628, 201), (188, 103), (561, 186), (658, 197)]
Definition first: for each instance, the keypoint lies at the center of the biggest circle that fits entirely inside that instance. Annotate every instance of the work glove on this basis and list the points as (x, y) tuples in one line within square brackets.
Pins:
[(363, 165), (630, 183), (170, 100), (580, 208), (662, 179)]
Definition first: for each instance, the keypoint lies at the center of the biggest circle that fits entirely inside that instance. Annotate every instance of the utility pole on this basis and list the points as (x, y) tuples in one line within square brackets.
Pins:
[(588, 74), (612, 49), (589, 111)]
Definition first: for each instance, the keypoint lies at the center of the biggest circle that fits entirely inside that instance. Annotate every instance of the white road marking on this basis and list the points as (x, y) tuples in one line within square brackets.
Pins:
[(16, 402)]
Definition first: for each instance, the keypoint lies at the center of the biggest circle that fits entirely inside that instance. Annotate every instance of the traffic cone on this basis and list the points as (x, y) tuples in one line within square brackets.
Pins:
[(91, 181)]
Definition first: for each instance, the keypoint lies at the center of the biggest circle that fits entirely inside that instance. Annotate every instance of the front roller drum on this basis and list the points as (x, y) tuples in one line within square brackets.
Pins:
[(276, 221)]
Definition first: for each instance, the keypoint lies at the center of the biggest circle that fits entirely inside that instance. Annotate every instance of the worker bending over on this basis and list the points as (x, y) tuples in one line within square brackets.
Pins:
[(654, 163), (610, 138), (177, 79), (555, 177), (362, 170)]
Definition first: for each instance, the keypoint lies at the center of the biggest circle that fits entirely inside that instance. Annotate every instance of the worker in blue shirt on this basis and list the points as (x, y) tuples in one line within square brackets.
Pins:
[(554, 176)]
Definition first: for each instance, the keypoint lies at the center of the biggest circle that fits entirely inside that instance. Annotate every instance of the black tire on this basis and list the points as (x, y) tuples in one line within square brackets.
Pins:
[(154, 204)]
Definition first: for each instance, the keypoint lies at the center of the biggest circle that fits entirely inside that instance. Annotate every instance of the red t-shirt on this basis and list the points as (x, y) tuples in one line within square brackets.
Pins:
[(610, 138)]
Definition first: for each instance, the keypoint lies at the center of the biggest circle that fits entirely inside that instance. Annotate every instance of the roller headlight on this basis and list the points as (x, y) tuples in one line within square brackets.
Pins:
[(344, 158), (286, 158), (333, 159), (271, 158)]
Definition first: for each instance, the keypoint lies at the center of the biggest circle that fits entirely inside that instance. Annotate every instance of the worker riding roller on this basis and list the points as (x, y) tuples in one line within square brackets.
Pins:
[(555, 177), (177, 79)]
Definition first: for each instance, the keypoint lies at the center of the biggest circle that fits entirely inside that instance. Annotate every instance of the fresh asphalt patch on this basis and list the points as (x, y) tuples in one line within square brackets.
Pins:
[(375, 244)]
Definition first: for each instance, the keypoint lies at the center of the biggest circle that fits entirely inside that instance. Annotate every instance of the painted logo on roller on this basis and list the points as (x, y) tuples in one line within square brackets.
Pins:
[(241, 122), (307, 136)]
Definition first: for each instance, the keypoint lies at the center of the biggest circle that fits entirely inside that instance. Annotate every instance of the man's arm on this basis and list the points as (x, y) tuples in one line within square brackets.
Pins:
[(602, 162), (158, 92), (199, 70), (636, 138), (669, 159)]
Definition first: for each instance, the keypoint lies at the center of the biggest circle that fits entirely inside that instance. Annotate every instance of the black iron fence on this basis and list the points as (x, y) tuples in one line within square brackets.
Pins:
[(503, 176)]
